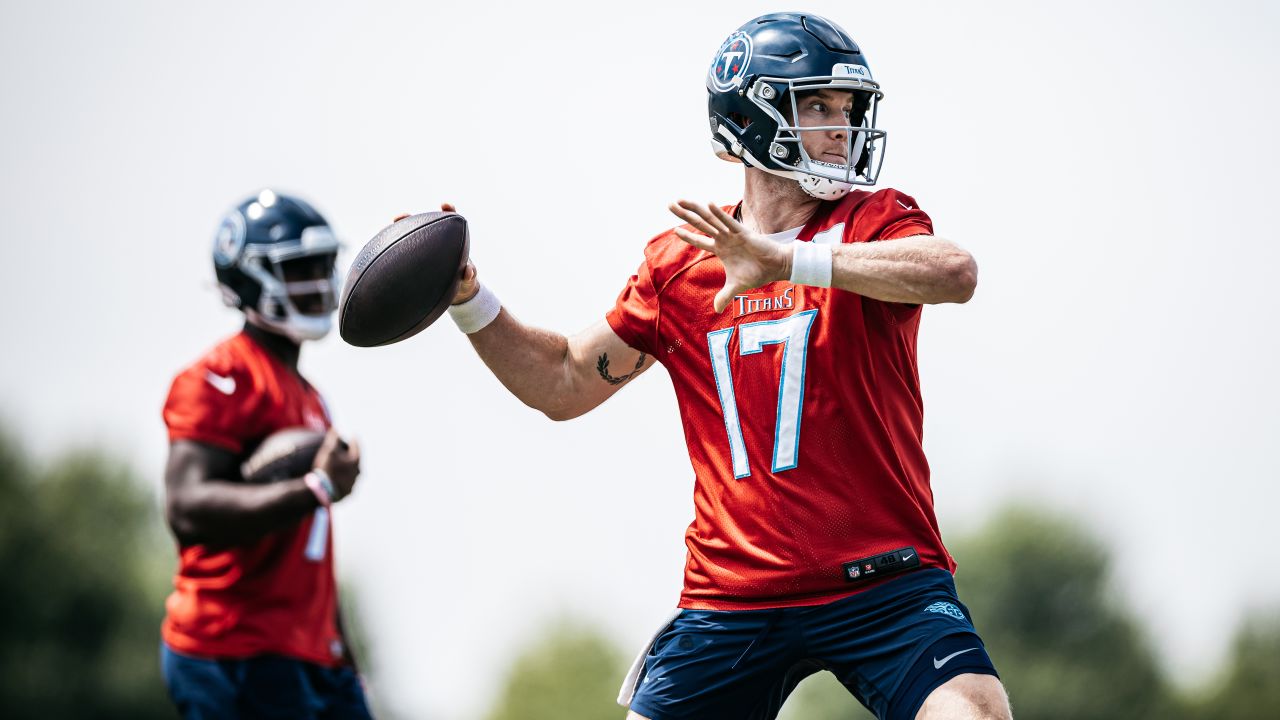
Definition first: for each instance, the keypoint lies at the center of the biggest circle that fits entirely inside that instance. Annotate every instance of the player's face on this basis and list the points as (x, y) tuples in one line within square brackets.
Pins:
[(825, 107), (308, 270)]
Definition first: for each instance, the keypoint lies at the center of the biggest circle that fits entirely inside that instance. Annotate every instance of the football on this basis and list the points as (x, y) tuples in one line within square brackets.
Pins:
[(283, 455), (403, 279)]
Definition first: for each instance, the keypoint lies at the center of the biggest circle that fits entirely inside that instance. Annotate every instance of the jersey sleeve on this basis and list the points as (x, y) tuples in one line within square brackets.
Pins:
[(891, 215), (634, 316), (903, 218), (214, 404)]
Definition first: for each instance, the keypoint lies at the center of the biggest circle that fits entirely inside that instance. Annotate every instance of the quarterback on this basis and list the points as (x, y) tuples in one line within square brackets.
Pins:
[(787, 322)]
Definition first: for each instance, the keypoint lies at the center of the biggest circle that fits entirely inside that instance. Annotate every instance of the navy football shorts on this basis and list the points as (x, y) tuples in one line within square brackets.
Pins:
[(890, 646), (267, 687)]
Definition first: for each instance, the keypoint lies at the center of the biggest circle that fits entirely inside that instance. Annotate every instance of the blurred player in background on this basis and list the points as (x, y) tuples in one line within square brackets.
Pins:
[(788, 325), (252, 629)]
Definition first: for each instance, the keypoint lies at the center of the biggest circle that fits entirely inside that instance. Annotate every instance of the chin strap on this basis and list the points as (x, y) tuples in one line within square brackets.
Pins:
[(727, 147), (818, 187), (824, 188)]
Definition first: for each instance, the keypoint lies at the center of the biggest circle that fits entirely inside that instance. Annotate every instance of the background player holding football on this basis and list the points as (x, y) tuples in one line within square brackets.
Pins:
[(252, 628), (788, 325)]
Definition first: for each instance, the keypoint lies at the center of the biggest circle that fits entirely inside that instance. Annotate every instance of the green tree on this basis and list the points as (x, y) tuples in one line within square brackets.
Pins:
[(1250, 687), (1038, 591), (571, 671), (82, 558), (822, 697)]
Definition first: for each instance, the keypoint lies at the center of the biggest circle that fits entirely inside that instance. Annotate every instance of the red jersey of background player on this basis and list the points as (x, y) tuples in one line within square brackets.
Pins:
[(801, 408), (276, 594)]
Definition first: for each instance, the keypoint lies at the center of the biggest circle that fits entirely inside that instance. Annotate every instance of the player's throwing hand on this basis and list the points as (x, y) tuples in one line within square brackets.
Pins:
[(470, 284), (749, 259)]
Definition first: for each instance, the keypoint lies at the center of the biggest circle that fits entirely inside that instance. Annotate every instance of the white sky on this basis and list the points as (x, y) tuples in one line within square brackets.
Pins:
[(1111, 165)]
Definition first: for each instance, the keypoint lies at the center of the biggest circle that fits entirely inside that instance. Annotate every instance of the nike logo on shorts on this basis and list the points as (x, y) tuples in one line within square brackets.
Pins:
[(937, 664)]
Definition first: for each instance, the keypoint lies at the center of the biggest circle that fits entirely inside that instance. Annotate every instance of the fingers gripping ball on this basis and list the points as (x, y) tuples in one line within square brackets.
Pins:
[(403, 279), (283, 455)]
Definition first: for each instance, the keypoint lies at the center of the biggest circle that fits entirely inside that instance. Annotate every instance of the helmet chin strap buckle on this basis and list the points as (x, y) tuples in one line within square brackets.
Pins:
[(726, 146)]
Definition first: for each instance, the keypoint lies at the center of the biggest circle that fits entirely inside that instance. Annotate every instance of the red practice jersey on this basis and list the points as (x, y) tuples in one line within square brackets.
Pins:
[(275, 594), (801, 408)]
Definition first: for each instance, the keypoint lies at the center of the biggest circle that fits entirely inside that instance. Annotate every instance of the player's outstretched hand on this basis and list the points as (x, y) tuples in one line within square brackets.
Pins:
[(749, 259), (340, 461)]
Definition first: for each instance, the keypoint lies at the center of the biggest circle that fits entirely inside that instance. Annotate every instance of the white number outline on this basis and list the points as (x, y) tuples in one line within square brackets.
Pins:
[(751, 341), (318, 539)]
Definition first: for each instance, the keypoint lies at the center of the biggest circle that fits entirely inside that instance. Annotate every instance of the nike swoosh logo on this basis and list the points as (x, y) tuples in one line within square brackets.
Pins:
[(908, 556), (905, 206), (224, 385), (937, 664)]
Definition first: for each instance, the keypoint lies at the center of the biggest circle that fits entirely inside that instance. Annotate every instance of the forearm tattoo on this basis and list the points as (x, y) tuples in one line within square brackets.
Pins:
[(602, 366)]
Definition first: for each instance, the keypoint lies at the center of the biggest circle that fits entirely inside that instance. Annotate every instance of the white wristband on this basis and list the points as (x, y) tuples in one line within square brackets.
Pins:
[(474, 314), (811, 264), (321, 486)]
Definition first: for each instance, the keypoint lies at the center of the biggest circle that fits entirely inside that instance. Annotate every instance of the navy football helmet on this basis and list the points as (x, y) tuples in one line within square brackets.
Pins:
[(752, 86), (275, 257)]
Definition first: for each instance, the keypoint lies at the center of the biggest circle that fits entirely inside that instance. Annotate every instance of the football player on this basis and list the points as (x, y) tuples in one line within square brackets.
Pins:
[(787, 322), (252, 629)]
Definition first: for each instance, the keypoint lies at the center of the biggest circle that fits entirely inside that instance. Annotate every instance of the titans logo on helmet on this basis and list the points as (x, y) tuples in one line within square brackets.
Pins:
[(730, 65), (229, 240)]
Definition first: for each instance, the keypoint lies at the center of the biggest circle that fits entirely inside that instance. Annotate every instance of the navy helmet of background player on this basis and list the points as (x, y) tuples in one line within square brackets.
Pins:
[(752, 86), (250, 249)]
